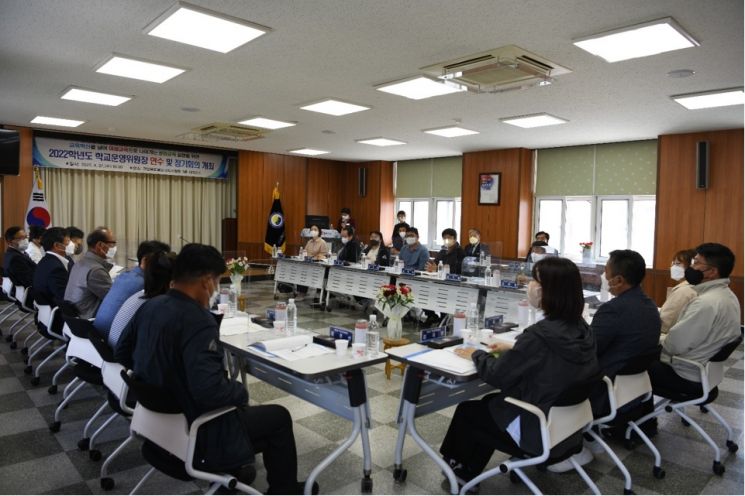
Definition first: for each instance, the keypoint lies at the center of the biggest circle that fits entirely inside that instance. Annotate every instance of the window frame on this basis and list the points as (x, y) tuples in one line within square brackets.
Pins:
[(433, 243)]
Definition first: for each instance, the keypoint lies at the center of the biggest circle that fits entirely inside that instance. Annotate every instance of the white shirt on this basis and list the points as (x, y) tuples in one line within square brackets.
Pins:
[(64, 261), (34, 252)]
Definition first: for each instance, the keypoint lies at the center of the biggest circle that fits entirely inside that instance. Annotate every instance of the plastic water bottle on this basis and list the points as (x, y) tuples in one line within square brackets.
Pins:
[(401, 264), (280, 312), (473, 319), (487, 276), (291, 325), (360, 331), (441, 270), (373, 336), (232, 302), (523, 313), (459, 322), (496, 278), (274, 251)]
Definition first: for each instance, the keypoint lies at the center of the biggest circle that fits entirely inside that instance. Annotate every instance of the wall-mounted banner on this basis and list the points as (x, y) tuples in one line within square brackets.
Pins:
[(76, 154)]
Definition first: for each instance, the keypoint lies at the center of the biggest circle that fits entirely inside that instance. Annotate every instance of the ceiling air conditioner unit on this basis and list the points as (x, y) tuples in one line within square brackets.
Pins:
[(224, 131), (500, 69)]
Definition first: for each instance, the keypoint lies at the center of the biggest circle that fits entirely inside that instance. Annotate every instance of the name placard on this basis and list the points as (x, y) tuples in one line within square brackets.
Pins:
[(408, 272), (453, 277), (308, 259), (340, 333), (373, 267), (508, 284), (338, 262), (270, 314), (432, 333), (493, 322)]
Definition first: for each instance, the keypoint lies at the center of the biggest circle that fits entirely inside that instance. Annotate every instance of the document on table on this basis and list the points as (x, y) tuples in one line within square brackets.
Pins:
[(446, 360), (239, 324), (293, 348), (505, 337)]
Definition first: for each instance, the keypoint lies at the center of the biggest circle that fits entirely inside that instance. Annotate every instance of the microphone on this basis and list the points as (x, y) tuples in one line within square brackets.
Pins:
[(183, 240)]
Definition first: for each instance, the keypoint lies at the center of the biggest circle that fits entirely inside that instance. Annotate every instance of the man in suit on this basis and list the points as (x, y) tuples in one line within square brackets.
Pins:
[(52, 272), (16, 264)]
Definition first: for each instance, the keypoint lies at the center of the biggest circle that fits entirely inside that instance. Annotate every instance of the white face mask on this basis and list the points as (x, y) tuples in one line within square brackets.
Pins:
[(313, 233), (535, 293), (537, 257), (344, 241), (473, 239), (677, 272), (447, 243), (345, 217), (111, 252), (70, 249), (23, 244), (410, 240), (402, 234)]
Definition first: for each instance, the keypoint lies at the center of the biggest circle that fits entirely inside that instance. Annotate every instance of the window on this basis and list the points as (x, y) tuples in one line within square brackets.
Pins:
[(611, 222), (446, 214)]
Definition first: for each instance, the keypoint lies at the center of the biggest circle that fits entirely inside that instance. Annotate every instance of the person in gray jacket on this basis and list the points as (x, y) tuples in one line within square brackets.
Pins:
[(90, 280)]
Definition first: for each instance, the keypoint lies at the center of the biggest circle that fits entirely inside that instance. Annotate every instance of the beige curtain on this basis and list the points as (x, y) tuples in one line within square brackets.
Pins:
[(140, 206)]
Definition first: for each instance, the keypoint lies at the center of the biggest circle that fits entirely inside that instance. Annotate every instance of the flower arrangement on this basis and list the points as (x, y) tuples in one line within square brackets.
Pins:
[(237, 266), (391, 296), (586, 245)]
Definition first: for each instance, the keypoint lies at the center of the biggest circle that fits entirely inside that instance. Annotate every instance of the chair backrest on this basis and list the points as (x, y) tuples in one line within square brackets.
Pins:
[(641, 363), (563, 421), (628, 387), (80, 346), (8, 288), (44, 314), (715, 367), (22, 294)]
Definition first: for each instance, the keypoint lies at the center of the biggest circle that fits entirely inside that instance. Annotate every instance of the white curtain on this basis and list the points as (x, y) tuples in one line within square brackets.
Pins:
[(138, 207)]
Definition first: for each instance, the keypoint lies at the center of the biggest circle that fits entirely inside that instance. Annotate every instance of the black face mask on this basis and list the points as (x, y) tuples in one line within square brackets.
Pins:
[(374, 242), (694, 276)]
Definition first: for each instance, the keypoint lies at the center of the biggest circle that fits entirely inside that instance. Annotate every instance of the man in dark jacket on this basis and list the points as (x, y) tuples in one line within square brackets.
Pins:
[(451, 254), (17, 265), (52, 272), (350, 249), (173, 342)]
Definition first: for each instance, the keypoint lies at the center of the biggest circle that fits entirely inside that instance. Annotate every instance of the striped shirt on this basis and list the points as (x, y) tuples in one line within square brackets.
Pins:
[(124, 315)]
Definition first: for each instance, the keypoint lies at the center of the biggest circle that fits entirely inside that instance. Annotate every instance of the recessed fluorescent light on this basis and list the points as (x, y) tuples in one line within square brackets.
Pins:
[(709, 99), (56, 121), (139, 69), (381, 142), (421, 87), (536, 120), (204, 28), (451, 131), (639, 40), (88, 96), (265, 123), (308, 151), (335, 107)]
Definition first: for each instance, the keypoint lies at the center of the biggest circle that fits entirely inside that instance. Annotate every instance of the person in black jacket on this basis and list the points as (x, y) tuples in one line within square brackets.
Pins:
[(474, 248), (399, 231), (451, 254), (377, 252), (52, 272), (548, 357), (173, 342), (350, 249), (17, 265)]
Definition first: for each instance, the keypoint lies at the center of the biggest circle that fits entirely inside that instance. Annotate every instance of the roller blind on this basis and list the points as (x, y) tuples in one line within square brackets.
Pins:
[(565, 171), (427, 178)]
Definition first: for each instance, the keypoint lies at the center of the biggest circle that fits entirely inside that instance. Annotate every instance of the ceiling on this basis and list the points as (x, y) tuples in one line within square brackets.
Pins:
[(343, 48)]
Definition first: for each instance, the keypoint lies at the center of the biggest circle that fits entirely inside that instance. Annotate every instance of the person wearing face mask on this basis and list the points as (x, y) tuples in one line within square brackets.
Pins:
[(346, 220), (52, 272), (451, 253), (399, 240), (16, 264), (90, 280), (710, 321), (399, 230), (681, 294), (538, 251), (126, 284), (376, 252), (316, 247), (76, 236), (35, 250), (173, 342), (350, 246), (414, 254), (551, 355), (474, 248)]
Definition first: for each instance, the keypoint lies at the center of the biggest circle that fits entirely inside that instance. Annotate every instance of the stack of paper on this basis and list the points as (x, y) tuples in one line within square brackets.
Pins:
[(292, 348), (445, 360)]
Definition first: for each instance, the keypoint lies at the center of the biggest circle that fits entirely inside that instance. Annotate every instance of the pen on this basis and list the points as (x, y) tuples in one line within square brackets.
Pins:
[(299, 348)]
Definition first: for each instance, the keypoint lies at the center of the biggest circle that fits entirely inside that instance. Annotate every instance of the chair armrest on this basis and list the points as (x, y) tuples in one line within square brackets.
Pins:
[(701, 371), (534, 410), (226, 480), (611, 402), (203, 419)]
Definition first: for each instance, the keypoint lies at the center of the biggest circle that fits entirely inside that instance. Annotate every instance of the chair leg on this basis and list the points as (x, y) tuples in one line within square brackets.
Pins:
[(67, 399), (34, 349), (114, 454), (526, 480), (101, 429), (702, 432), (616, 460), (28, 338), (69, 387), (723, 423), (593, 487), (213, 488), (142, 481), (55, 379), (49, 357), (657, 469), (89, 424)]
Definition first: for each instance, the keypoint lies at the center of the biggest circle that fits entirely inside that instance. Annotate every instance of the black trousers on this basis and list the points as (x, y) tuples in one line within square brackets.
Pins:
[(473, 436), (665, 380), (270, 431)]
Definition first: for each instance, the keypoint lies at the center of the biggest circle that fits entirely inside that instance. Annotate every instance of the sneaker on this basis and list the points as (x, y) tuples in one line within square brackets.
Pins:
[(582, 458)]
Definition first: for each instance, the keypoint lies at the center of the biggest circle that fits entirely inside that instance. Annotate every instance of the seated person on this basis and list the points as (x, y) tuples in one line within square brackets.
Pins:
[(16, 263), (414, 254), (377, 253), (52, 271), (538, 251), (548, 357), (710, 321), (76, 236), (126, 284), (451, 253), (350, 246), (35, 250), (399, 231), (680, 295), (89, 278), (474, 248), (399, 240), (158, 273), (172, 342), (345, 219), (316, 247)]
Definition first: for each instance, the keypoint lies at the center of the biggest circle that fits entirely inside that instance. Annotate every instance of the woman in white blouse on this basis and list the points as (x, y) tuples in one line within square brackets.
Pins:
[(679, 295)]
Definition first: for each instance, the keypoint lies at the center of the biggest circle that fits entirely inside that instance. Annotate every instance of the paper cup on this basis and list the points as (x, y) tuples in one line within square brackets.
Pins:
[(341, 346), (222, 308), (486, 334), (358, 350), (279, 325)]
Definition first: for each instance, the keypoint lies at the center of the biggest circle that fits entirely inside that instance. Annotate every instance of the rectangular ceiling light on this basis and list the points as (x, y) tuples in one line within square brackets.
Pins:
[(451, 131), (204, 28), (56, 121), (139, 69), (265, 123), (710, 99), (421, 87), (335, 107), (639, 40), (381, 142), (535, 120), (88, 96), (308, 151)]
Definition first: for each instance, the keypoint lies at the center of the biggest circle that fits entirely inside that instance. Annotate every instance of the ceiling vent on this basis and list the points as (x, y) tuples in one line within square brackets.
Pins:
[(500, 69), (224, 131)]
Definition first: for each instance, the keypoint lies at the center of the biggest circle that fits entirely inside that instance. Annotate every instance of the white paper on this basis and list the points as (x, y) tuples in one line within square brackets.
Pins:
[(303, 351), (239, 324), (505, 337), (285, 343), (446, 360)]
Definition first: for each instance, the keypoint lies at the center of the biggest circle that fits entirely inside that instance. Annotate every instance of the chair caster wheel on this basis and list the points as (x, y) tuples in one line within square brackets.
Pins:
[(399, 475), (55, 426), (24, 351), (28, 370), (107, 483), (94, 455), (658, 473), (52, 389), (514, 478), (34, 381), (628, 491), (84, 444), (732, 446), (718, 468), (13, 345), (685, 422), (367, 485)]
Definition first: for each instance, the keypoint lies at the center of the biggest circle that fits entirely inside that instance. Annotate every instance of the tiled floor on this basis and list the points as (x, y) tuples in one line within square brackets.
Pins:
[(33, 460)]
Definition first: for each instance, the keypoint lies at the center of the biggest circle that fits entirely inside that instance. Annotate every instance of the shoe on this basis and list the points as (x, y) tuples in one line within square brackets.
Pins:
[(582, 458)]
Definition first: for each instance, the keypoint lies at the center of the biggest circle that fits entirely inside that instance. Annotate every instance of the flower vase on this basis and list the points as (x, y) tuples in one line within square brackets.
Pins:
[(236, 279), (395, 327), (587, 256)]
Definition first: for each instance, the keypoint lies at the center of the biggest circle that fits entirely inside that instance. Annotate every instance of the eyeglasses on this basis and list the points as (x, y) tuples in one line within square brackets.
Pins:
[(699, 263)]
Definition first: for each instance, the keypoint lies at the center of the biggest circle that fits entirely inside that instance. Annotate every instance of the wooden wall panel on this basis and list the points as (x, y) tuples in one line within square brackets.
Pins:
[(324, 188), (374, 211), (387, 201), (17, 189), (508, 222)]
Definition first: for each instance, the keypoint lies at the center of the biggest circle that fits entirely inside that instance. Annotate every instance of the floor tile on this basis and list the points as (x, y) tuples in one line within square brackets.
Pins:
[(27, 478)]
